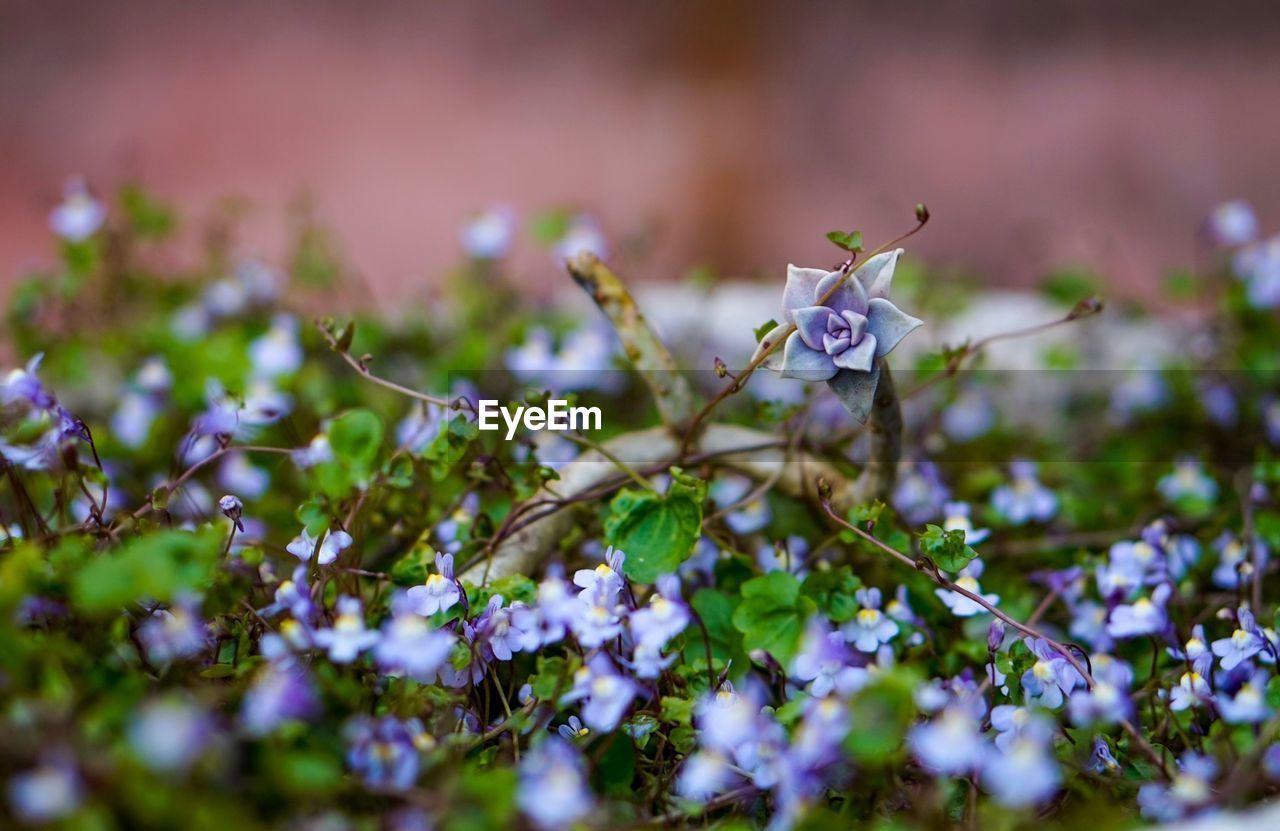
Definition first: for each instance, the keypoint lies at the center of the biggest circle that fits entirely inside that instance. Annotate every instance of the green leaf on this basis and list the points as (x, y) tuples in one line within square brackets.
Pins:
[(883, 712), (657, 531), (157, 567), (834, 592), (716, 610), (764, 329), (677, 710), (772, 615), (616, 769), (850, 241), (946, 548), (355, 437)]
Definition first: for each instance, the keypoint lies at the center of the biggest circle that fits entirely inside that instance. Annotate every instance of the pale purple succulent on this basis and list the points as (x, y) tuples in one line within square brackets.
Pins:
[(844, 324)]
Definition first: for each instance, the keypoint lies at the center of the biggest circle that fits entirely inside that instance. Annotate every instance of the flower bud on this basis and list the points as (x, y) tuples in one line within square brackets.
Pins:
[(995, 635)]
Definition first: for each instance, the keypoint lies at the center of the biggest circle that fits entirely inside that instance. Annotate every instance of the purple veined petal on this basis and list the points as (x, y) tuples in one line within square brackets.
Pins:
[(849, 294), (799, 361), (860, 356), (889, 324), (801, 289), (876, 274), (812, 323)]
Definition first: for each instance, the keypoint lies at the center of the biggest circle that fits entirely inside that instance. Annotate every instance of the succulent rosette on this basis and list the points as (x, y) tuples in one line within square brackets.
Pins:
[(845, 323)]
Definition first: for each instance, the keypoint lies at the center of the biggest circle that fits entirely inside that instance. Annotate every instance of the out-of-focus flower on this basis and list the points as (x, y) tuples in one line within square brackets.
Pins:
[(1051, 677), (970, 416), (1232, 223), (236, 474), (961, 605), (1192, 691), (303, 546), (409, 646), (1025, 773), (46, 793), (1190, 790), (824, 661), (1106, 703), (582, 236), (744, 519), (79, 215), (1188, 482), (665, 617), (440, 592), (281, 692), (277, 352), (1258, 265), (956, 518), (1024, 499), (870, 627), (553, 788), (1249, 704), (383, 752), (920, 494), (951, 743), (703, 775), (348, 637), (488, 235), (169, 734), (585, 360), (1145, 616), (1236, 562), (605, 693), (175, 632)]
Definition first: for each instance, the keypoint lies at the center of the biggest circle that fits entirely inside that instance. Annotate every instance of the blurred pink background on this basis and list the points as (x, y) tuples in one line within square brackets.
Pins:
[(732, 134)]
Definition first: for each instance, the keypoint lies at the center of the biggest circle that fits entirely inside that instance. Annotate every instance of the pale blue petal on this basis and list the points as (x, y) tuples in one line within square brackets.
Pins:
[(859, 356), (889, 324), (801, 289), (876, 274), (799, 361), (849, 293), (811, 323)]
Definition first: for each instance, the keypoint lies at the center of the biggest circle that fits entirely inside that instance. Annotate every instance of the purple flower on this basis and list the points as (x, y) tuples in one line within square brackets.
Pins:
[(176, 632), (303, 546), (49, 792), (384, 752), (1145, 616), (1243, 644), (79, 215), (920, 494), (281, 692), (951, 743), (22, 385), (582, 236), (595, 625), (605, 693), (1258, 265), (665, 617), (574, 729), (746, 519), (844, 324), (277, 352), (348, 636), (1188, 482), (169, 734), (495, 630), (440, 592), (1191, 788), (1051, 677), (703, 775), (553, 785), (825, 663), (294, 596), (1235, 564), (956, 518), (971, 415), (603, 583), (1024, 499), (1106, 703), (1192, 691), (870, 627), (1102, 760), (1249, 704), (409, 646), (726, 719), (1012, 723), (1023, 773), (1232, 223), (488, 235), (961, 605)]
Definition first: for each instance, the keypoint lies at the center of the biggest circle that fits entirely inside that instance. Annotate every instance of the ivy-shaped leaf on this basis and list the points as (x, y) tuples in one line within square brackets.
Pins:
[(834, 592), (772, 615), (657, 531), (946, 548)]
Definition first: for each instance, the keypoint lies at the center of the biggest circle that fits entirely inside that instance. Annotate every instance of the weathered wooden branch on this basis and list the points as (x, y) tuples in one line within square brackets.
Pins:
[(646, 352)]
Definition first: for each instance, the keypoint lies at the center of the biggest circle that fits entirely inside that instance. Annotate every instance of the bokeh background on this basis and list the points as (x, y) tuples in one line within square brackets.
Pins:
[(727, 134)]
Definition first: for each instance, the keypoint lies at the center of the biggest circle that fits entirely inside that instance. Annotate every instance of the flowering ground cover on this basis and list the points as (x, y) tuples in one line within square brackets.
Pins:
[(261, 569)]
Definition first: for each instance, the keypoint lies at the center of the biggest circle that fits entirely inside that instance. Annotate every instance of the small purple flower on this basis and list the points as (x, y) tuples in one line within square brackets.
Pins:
[(870, 627), (488, 235), (52, 791), (383, 752), (1191, 789), (79, 215), (303, 546), (1023, 773), (22, 385), (1236, 562), (409, 646), (582, 236), (1232, 223), (348, 636), (825, 663), (574, 729), (1145, 616), (440, 592), (281, 692), (951, 743), (1024, 499), (665, 617), (1106, 703), (1258, 265), (1102, 760), (1249, 704), (168, 735), (1051, 677), (726, 719), (1192, 691), (1188, 482), (294, 596), (553, 785), (920, 494), (745, 519), (175, 632), (1012, 723), (495, 630), (971, 415), (1245, 642), (232, 508), (603, 583), (703, 775), (956, 518), (961, 605), (605, 693)]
